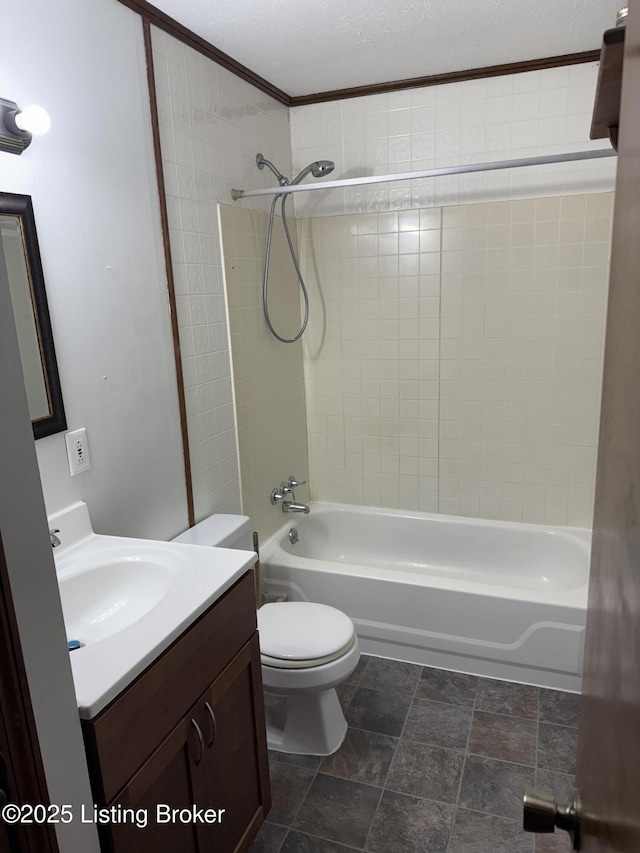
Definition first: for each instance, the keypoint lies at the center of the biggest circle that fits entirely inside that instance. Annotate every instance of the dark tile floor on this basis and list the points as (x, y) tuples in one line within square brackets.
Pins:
[(433, 761)]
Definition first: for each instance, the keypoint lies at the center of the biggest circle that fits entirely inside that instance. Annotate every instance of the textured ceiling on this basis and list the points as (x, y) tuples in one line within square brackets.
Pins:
[(306, 46)]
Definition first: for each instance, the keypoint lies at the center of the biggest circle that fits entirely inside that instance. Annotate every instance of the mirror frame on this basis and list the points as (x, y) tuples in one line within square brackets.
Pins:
[(12, 204)]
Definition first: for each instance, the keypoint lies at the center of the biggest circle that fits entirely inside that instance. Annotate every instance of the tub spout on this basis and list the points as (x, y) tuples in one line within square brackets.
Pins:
[(293, 506)]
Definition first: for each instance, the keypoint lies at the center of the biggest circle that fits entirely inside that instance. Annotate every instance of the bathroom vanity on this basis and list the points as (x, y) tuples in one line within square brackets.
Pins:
[(189, 731), (168, 684)]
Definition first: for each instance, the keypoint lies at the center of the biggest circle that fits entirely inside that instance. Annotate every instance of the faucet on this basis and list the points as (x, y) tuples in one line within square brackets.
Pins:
[(53, 538), (292, 506), (278, 495)]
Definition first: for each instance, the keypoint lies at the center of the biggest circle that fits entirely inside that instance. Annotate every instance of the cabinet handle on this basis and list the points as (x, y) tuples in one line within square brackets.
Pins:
[(214, 725), (200, 739)]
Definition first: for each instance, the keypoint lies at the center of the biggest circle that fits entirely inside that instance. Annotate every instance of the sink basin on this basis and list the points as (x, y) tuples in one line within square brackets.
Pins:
[(126, 600), (110, 596)]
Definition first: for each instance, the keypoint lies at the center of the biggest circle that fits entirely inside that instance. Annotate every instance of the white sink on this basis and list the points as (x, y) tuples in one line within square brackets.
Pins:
[(110, 596), (126, 600)]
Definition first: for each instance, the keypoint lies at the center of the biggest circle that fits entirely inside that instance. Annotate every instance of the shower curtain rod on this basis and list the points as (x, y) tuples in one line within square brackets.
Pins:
[(545, 160)]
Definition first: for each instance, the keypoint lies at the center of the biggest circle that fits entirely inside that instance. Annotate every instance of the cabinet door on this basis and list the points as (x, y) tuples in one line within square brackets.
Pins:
[(164, 779), (234, 774)]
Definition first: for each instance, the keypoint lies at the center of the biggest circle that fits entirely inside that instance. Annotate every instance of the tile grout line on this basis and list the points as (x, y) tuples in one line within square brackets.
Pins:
[(535, 775), (404, 725), (313, 778), (456, 805), (317, 770)]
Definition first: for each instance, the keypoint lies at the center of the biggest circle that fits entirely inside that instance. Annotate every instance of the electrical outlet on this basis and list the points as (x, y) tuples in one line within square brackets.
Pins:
[(78, 451)]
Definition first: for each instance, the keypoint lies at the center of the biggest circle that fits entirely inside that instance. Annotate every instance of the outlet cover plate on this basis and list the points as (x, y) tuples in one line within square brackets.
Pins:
[(78, 451)]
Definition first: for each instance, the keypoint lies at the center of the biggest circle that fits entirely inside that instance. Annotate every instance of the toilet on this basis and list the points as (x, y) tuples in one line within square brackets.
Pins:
[(306, 650)]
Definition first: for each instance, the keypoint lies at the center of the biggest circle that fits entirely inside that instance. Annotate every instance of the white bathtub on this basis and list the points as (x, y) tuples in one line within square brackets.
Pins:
[(498, 599)]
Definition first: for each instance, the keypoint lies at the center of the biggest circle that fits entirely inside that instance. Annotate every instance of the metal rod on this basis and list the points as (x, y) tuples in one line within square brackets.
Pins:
[(545, 160)]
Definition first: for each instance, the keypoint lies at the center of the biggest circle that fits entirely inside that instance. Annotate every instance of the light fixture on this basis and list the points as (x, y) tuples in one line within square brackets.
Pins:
[(18, 127)]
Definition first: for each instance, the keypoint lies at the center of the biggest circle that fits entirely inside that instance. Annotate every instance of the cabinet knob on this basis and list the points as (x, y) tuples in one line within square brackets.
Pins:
[(214, 725), (200, 740)]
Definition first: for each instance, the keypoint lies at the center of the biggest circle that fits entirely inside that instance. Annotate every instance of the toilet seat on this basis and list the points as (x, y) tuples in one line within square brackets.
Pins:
[(302, 634)]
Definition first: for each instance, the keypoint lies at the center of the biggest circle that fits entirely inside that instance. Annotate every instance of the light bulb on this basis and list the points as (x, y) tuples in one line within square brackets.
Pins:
[(34, 120)]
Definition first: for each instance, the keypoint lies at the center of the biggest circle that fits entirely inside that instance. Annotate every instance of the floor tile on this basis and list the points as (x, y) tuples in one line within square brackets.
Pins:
[(505, 697), (438, 724), (311, 762), (482, 833), (557, 842), (355, 676), (363, 757), (269, 839), (391, 675), (426, 771), (298, 842), (455, 688), (557, 746), (338, 810), (560, 708), (559, 785), (495, 787), (507, 738), (409, 825), (289, 785), (378, 711), (345, 695)]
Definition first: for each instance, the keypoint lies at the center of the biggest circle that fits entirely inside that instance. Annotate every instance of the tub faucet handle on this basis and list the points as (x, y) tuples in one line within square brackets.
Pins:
[(292, 483)]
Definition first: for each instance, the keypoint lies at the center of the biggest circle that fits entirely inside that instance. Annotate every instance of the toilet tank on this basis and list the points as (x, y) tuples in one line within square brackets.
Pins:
[(220, 531)]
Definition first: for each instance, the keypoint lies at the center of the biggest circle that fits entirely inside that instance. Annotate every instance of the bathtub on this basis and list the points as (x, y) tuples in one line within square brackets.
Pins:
[(497, 599)]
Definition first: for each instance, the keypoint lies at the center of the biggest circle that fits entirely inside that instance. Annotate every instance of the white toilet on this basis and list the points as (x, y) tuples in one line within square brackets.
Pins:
[(306, 650)]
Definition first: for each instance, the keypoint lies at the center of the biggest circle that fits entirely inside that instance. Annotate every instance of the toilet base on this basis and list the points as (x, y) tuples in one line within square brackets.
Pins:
[(305, 723)]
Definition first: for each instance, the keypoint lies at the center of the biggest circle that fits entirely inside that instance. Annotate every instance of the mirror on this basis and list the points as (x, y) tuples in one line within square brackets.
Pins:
[(19, 246)]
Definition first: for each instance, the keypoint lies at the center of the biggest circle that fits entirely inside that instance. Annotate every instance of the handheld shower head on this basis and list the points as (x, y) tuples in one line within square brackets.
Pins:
[(319, 168), (261, 162)]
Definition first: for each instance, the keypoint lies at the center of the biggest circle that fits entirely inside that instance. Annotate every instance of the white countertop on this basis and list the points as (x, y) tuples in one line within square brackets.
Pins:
[(190, 579)]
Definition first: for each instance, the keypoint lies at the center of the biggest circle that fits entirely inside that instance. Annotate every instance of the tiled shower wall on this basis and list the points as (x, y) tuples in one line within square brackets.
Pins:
[(475, 121), (453, 360), (212, 124), (268, 375)]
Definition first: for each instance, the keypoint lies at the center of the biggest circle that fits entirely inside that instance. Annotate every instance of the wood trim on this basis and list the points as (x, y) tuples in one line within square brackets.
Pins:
[(23, 760), (449, 77), (21, 206), (152, 15), (164, 224)]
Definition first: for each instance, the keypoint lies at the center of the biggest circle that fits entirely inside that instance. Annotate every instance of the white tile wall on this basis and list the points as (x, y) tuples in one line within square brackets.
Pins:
[(453, 359), (408, 404), (372, 357), (518, 115), (212, 124), (268, 374)]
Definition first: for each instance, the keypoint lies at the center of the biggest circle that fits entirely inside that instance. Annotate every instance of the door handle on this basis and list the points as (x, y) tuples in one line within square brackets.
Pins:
[(214, 725), (200, 740), (541, 813)]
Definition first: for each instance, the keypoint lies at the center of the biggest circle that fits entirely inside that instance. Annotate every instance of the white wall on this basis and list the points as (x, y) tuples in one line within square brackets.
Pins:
[(475, 121), (212, 125), (93, 185), (24, 541)]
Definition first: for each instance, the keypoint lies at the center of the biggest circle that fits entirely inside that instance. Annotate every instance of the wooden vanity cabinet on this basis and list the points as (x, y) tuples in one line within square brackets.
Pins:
[(212, 755)]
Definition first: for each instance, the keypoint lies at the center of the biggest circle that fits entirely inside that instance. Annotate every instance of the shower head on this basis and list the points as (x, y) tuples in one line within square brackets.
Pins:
[(319, 168), (261, 162)]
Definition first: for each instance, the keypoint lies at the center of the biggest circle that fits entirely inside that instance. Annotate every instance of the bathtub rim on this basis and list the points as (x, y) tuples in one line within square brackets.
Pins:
[(271, 552)]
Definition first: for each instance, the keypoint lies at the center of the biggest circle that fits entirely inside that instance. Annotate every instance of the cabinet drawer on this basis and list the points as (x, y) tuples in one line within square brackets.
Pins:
[(128, 730)]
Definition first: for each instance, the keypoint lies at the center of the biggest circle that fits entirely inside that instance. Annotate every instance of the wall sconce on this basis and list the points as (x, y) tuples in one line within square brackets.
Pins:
[(18, 127)]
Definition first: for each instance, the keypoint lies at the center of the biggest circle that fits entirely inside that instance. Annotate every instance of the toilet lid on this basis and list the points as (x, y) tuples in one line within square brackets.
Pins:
[(303, 631)]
